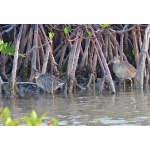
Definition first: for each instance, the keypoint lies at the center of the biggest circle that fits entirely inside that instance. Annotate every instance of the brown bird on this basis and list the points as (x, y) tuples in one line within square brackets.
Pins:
[(123, 69), (47, 82)]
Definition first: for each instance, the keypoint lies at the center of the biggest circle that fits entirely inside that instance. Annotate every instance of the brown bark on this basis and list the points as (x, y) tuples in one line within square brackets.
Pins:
[(106, 44), (135, 45), (41, 52), (147, 77), (76, 57), (47, 50), (24, 39), (85, 54), (15, 63), (48, 54), (58, 48), (126, 46), (113, 39), (62, 55), (76, 49), (99, 58), (34, 53), (121, 46), (3, 60), (72, 56), (1, 83), (110, 52), (144, 51), (38, 62), (139, 37), (73, 60), (27, 59), (105, 64)]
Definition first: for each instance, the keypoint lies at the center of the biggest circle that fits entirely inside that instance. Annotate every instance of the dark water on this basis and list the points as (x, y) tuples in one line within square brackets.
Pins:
[(88, 108)]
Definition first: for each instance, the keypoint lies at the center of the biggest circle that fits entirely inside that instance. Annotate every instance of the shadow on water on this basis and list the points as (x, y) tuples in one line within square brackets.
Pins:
[(127, 107)]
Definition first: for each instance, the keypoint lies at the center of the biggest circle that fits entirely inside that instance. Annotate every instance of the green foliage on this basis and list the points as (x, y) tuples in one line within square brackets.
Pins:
[(6, 118), (67, 29), (8, 48), (31, 120), (103, 26), (133, 52), (51, 35), (88, 34)]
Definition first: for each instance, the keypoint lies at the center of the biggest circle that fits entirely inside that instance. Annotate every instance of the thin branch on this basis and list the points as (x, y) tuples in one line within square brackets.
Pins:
[(122, 31), (9, 29)]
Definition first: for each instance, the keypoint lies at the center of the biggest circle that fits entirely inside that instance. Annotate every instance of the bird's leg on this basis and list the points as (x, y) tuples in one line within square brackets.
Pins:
[(52, 93), (131, 82), (121, 81)]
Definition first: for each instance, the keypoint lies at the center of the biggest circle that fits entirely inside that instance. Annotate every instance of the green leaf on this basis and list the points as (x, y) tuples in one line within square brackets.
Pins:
[(41, 119), (31, 120), (33, 117), (89, 34), (14, 123), (7, 121), (67, 29), (51, 35), (133, 52), (103, 26), (27, 120), (7, 48), (5, 114), (2, 48), (1, 42)]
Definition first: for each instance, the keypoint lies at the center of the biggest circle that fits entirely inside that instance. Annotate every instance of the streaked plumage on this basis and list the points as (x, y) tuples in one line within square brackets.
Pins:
[(47, 82), (123, 69)]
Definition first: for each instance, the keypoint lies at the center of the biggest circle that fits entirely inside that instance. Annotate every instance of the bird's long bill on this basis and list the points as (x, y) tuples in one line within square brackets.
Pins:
[(31, 78), (110, 62)]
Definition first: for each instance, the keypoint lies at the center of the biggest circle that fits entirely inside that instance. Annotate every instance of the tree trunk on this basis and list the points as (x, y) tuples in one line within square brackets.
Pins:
[(113, 90), (85, 54), (136, 49), (143, 53), (35, 45), (14, 69), (121, 46)]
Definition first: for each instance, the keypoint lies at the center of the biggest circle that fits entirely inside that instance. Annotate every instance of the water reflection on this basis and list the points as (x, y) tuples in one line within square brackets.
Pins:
[(127, 107)]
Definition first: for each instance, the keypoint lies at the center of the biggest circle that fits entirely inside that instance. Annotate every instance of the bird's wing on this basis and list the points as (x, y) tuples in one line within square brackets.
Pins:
[(129, 66)]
